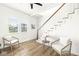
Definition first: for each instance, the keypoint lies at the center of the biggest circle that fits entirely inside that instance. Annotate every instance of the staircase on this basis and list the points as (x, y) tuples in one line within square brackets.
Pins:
[(60, 18), (59, 22)]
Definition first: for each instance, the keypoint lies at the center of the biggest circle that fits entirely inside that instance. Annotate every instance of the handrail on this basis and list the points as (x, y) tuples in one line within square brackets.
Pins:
[(50, 18), (52, 15)]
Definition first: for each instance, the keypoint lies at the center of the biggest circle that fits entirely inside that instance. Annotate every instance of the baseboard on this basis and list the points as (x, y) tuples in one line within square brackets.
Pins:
[(74, 54), (27, 41)]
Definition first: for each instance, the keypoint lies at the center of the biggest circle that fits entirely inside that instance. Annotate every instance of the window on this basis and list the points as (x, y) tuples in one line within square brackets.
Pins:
[(13, 24)]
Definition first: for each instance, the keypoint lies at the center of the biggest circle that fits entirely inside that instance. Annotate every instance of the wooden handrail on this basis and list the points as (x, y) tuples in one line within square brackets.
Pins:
[(50, 18), (52, 15)]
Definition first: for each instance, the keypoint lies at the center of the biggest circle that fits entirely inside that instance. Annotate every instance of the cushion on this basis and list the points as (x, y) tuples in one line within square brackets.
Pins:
[(51, 38), (13, 40), (64, 40), (58, 47), (8, 37)]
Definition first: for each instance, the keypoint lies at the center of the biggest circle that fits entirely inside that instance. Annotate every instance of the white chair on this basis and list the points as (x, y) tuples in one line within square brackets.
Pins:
[(10, 41), (62, 46), (49, 39)]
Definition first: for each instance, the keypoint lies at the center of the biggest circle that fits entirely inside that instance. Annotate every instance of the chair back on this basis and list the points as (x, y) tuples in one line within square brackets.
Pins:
[(64, 40), (51, 38)]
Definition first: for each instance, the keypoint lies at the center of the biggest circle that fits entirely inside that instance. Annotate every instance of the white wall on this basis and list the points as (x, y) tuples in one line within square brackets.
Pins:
[(6, 14), (70, 27)]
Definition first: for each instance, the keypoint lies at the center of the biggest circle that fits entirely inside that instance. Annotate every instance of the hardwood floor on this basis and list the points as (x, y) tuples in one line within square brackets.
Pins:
[(30, 48)]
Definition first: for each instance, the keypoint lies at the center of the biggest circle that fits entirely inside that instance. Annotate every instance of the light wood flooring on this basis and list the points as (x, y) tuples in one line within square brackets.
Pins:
[(30, 48)]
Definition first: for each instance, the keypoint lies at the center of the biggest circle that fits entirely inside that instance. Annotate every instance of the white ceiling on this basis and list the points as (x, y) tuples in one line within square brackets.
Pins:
[(37, 10)]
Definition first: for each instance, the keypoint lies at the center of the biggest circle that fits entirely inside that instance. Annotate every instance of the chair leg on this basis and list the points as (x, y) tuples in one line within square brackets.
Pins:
[(61, 53), (70, 49), (3, 44), (11, 49), (18, 44)]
